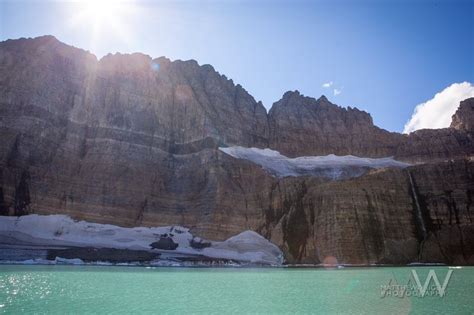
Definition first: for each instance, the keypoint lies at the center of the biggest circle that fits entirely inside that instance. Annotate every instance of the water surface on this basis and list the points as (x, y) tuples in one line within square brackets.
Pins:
[(99, 289)]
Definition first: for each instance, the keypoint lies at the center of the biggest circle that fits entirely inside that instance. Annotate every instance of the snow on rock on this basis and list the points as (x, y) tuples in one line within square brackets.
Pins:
[(329, 166), (61, 230), (248, 246)]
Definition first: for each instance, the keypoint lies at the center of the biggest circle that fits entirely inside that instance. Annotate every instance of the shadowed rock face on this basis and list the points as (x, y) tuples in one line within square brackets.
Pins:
[(132, 141), (156, 102)]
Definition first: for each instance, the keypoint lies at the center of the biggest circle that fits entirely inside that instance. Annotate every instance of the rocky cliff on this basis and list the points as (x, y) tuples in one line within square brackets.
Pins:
[(133, 141), (463, 119), (301, 125)]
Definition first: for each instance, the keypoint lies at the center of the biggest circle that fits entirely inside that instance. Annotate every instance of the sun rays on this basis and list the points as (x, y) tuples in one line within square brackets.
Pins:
[(103, 19)]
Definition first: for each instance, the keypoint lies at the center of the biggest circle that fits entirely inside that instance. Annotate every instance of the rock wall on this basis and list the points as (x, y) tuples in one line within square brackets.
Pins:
[(463, 119), (131, 140), (301, 125), (374, 219)]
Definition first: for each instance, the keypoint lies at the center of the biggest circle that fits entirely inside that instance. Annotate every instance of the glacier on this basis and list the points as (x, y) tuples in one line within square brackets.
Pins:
[(329, 166)]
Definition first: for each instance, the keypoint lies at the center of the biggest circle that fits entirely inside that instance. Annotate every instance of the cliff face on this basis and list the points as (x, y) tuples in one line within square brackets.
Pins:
[(302, 125), (132, 141), (166, 103), (463, 119), (376, 218)]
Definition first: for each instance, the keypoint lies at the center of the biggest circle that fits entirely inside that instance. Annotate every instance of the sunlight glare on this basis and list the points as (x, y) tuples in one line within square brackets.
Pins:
[(100, 10), (104, 19)]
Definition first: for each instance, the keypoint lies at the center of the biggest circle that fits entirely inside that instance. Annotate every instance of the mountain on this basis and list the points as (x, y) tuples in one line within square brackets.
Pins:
[(302, 125), (463, 119), (134, 141)]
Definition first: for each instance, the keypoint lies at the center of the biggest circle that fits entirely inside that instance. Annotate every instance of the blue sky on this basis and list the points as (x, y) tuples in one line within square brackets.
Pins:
[(385, 57)]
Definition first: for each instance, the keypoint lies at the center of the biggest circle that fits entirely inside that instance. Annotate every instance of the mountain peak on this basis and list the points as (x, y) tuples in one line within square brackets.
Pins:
[(463, 119), (323, 98), (290, 94)]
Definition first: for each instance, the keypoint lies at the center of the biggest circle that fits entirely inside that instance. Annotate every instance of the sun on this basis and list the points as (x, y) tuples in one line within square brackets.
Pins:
[(99, 19), (102, 11)]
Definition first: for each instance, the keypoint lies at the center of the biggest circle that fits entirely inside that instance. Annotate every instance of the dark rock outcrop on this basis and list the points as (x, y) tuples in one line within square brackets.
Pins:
[(198, 243), (132, 141), (463, 119), (165, 242)]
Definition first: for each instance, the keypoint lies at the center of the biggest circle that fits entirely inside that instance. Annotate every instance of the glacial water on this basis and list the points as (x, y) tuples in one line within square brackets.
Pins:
[(121, 290)]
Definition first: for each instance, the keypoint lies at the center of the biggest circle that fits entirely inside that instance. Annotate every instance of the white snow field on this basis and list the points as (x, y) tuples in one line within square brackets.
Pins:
[(61, 230), (328, 166)]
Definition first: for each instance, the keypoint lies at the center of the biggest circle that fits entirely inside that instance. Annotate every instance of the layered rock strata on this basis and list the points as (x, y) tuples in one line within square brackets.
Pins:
[(133, 141)]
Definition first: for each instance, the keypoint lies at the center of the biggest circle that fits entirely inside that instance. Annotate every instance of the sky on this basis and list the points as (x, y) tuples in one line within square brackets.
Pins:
[(405, 62)]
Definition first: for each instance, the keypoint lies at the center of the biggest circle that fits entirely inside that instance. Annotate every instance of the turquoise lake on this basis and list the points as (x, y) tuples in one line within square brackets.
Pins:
[(124, 290)]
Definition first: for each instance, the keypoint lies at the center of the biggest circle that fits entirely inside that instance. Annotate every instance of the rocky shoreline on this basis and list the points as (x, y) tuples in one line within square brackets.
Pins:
[(21, 254)]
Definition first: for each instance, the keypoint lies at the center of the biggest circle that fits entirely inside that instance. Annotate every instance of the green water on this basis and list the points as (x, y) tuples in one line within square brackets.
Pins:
[(114, 290)]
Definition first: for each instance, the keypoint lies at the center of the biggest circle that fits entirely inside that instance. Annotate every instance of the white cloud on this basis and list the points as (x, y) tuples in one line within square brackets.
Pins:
[(337, 91), (437, 112), (327, 84)]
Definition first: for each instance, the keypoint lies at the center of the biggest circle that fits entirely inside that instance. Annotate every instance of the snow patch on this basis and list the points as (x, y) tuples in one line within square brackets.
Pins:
[(61, 230), (246, 246), (328, 166)]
